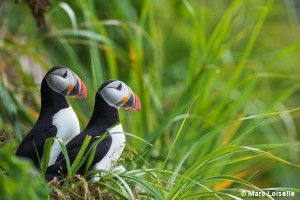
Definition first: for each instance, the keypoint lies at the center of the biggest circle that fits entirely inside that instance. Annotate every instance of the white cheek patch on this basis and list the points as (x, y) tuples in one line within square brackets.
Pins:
[(125, 90), (58, 83), (113, 84), (112, 96), (69, 80), (55, 83)]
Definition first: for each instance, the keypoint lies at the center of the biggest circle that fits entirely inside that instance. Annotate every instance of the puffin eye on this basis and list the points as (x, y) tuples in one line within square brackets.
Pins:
[(65, 74), (119, 87)]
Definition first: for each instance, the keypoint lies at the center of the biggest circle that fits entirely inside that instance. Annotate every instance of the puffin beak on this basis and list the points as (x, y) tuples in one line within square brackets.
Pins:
[(78, 90), (133, 102)]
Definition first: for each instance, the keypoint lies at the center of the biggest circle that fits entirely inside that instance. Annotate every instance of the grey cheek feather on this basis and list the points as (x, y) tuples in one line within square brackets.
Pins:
[(113, 84), (107, 95), (53, 83), (71, 78), (60, 84), (112, 96)]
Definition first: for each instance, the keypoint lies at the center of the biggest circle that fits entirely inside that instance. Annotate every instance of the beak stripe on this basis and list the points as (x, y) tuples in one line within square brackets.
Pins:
[(74, 92), (79, 90), (130, 102)]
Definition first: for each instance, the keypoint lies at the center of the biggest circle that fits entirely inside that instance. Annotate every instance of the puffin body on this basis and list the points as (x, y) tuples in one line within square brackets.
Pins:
[(67, 128), (115, 150), (112, 95), (57, 118)]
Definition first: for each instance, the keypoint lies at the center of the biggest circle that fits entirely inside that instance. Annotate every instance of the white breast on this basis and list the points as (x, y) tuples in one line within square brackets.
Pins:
[(67, 126), (115, 150)]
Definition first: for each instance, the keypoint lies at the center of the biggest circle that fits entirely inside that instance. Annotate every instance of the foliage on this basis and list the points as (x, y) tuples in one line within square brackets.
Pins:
[(18, 175), (217, 82)]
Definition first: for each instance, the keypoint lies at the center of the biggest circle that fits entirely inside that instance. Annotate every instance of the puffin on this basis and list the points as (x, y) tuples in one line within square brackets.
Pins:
[(112, 95), (56, 117)]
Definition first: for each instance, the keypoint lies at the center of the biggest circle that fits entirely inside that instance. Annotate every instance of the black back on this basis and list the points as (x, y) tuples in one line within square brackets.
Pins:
[(104, 117), (32, 145)]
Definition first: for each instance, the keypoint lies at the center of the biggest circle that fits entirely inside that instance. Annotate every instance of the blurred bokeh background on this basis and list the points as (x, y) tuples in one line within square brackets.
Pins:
[(211, 76)]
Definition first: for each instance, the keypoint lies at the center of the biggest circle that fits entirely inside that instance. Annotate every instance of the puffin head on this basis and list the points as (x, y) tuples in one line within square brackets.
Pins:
[(62, 80), (118, 94)]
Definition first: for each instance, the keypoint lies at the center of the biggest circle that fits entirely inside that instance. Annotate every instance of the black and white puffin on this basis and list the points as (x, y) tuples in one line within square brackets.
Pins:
[(56, 118), (112, 95)]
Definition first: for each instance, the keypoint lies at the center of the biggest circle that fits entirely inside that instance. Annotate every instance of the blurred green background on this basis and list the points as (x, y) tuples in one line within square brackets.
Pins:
[(218, 83)]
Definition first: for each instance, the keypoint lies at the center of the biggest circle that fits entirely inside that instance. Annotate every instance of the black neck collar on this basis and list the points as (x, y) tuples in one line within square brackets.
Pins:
[(51, 99), (104, 115)]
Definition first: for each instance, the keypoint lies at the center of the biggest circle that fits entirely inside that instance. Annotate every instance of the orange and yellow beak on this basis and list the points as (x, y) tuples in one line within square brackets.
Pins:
[(78, 90)]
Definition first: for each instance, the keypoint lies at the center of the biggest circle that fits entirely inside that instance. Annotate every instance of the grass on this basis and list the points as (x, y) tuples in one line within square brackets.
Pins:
[(217, 82)]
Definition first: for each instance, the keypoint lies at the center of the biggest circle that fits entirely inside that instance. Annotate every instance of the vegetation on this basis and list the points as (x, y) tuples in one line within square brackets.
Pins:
[(218, 83)]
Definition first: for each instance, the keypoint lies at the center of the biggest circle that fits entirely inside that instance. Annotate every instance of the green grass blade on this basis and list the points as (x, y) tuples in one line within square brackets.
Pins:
[(91, 152), (70, 13), (111, 189), (153, 192), (177, 135), (78, 161), (46, 155)]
